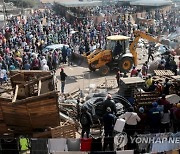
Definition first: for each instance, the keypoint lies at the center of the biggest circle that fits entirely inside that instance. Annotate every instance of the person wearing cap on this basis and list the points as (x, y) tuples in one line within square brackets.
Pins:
[(154, 118), (176, 117), (109, 120), (109, 102), (63, 79)]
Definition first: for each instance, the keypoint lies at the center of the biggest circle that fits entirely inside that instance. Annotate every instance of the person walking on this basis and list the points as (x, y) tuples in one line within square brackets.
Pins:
[(63, 79), (150, 53)]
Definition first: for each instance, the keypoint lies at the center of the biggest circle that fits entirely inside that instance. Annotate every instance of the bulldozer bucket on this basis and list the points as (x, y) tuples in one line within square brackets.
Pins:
[(79, 60)]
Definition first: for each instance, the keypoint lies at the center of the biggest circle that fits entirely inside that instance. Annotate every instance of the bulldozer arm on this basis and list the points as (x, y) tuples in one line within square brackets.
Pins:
[(80, 60), (94, 61)]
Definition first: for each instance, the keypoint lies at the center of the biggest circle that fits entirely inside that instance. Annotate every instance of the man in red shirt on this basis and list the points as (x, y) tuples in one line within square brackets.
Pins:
[(164, 102), (134, 72)]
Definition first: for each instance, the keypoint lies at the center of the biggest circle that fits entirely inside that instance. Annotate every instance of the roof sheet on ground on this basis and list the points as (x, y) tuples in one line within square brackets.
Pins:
[(80, 4), (117, 37), (151, 3)]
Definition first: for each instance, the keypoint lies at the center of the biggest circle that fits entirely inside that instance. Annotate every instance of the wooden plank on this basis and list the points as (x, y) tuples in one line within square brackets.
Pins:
[(39, 87), (15, 95)]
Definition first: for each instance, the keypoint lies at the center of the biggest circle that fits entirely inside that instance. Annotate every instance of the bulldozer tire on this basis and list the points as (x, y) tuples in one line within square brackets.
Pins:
[(125, 64), (91, 68), (104, 70)]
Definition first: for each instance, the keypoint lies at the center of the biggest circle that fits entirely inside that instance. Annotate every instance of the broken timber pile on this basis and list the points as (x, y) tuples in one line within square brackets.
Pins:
[(30, 114)]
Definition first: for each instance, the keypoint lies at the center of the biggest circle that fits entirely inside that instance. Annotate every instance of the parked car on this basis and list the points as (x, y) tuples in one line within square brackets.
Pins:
[(54, 47)]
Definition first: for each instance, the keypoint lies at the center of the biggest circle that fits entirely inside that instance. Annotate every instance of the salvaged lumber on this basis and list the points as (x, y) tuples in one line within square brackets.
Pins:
[(30, 114), (31, 83), (146, 98), (64, 131)]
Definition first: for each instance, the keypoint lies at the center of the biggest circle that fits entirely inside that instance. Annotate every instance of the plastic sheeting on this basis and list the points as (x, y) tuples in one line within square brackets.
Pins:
[(95, 102)]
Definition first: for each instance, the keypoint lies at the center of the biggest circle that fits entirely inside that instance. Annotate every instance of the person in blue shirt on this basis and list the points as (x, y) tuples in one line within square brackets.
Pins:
[(27, 66), (154, 117)]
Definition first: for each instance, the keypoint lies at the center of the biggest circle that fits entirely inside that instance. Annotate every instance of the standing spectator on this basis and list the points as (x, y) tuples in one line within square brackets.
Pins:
[(118, 76), (45, 67), (64, 54), (165, 120), (154, 118), (27, 66), (144, 70), (63, 79), (166, 86), (139, 74), (134, 72), (143, 123), (109, 102), (149, 81), (69, 55), (86, 122), (132, 120), (109, 122), (176, 117), (35, 64)]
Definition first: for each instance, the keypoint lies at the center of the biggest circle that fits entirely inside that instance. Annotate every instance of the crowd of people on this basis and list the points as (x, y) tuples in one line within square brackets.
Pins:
[(23, 39), (160, 117)]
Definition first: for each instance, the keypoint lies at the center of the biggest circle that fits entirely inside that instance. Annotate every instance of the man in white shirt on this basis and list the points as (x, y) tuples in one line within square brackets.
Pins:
[(45, 67), (43, 61), (132, 120)]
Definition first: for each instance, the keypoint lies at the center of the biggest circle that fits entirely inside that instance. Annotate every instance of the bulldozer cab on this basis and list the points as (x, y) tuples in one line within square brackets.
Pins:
[(118, 44)]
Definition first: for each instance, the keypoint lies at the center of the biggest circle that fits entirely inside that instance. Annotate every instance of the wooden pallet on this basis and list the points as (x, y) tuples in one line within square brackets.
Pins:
[(163, 72)]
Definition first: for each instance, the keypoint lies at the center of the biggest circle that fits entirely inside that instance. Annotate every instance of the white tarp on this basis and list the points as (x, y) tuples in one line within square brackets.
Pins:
[(151, 3)]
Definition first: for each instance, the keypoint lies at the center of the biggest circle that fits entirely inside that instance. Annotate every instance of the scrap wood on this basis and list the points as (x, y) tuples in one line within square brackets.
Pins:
[(104, 85), (68, 105)]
